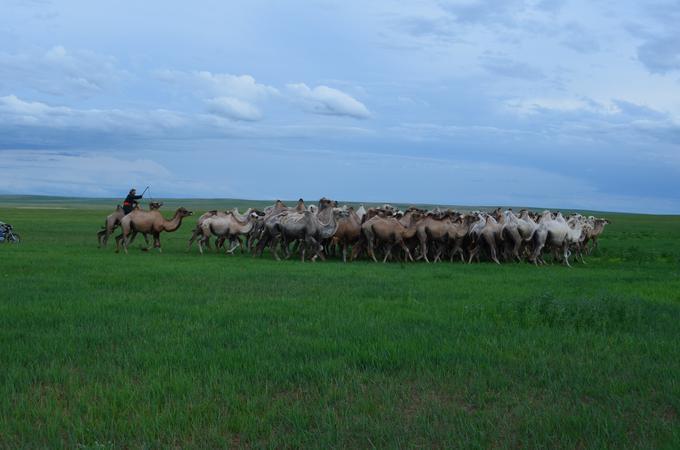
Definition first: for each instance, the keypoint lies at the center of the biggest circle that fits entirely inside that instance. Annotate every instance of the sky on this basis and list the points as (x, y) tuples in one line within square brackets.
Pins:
[(569, 104)]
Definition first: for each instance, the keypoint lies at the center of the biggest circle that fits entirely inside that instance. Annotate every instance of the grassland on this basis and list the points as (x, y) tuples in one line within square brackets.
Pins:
[(148, 350)]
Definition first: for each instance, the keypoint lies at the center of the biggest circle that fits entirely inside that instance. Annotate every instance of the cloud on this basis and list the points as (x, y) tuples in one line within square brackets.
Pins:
[(17, 112), (35, 124), (242, 87), (233, 108), (59, 71), (328, 101), (660, 54)]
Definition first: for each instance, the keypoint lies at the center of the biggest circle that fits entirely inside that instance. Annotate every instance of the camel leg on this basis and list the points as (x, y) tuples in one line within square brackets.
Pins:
[(371, 251), (388, 253), (118, 244), (408, 252), (236, 244), (320, 253), (157, 242), (565, 254), (129, 239), (273, 246), (473, 253), (494, 257), (192, 238), (423, 250)]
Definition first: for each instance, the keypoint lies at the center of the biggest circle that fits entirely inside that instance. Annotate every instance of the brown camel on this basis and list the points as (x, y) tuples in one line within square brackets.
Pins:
[(390, 231), (348, 232), (112, 222), (434, 229), (139, 221)]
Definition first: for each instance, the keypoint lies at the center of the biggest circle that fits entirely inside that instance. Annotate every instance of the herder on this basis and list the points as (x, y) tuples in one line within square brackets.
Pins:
[(131, 201)]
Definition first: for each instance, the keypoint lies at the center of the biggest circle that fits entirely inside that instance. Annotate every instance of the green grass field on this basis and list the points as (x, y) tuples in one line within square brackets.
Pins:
[(149, 350)]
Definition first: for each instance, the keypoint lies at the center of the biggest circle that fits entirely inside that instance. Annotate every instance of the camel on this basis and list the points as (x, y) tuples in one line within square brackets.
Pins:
[(300, 206), (517, 231), (391, 231), (228, 226), (557, 234), (112, 222), (457, 233), (197, 233), (361, 212), (306, 226), (348, 231), (595, 229), (489, 231), (435, 228), (153, 222)]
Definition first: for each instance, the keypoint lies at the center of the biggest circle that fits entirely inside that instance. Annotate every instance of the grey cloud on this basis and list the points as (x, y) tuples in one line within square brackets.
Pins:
[(661, 55)]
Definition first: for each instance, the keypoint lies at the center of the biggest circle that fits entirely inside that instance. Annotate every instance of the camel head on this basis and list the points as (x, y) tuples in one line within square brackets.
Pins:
[(324, 203), (183, 212), (340, 213)]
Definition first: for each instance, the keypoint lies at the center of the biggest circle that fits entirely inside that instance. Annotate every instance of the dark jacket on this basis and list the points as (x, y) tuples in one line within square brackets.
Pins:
[(130, 203)]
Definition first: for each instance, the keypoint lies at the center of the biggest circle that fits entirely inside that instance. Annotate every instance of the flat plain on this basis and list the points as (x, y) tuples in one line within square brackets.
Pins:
[(149, 350)]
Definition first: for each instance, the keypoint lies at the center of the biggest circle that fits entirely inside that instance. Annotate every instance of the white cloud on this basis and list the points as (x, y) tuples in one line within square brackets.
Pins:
[(19, 112), (59, 71), (233, 108), (242, 87), (328, 101)]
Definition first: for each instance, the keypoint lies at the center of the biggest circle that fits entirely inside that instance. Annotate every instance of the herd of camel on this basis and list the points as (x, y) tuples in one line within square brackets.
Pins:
[(385, 232)]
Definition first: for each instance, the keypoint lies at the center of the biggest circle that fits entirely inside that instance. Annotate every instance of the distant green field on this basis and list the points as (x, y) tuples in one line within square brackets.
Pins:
[(178, 350)]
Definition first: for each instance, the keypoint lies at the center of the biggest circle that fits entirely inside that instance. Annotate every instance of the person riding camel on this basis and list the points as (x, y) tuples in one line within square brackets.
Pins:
[(131, 201)]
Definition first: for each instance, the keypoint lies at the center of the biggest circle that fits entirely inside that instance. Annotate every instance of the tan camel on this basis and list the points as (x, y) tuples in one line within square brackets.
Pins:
[(153, 222), (348, 232), (390, 231), (433, 229), (112, 222), (229, 227)]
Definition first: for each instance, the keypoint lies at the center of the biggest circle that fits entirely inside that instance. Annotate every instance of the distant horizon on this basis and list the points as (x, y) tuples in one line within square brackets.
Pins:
[(562, 102), (291, 201)]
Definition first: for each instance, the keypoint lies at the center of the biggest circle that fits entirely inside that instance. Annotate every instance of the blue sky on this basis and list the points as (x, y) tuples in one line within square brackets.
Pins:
[(555, 103)]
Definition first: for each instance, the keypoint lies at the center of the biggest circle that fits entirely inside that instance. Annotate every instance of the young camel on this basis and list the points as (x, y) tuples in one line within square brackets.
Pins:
[(139, 221)]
